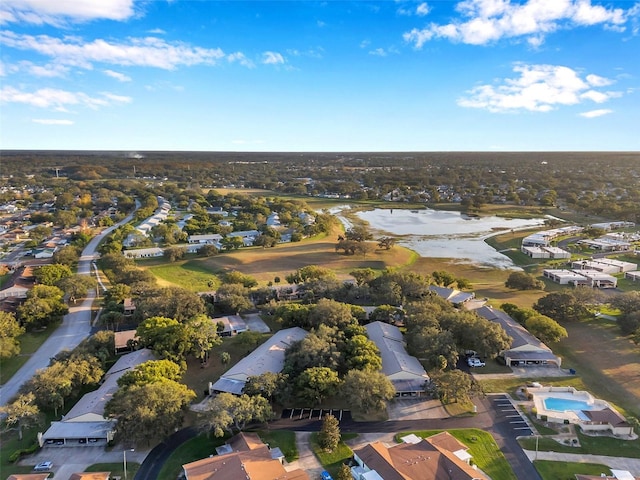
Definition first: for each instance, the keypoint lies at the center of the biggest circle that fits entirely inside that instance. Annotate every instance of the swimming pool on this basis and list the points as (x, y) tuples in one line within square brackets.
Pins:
[(558, 404)]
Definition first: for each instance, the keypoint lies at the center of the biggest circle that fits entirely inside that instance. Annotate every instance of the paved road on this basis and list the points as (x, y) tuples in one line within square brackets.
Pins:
[(75, 327)]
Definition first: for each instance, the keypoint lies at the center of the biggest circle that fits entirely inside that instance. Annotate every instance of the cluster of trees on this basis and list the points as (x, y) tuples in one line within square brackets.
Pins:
[(605, 184), (44, 306), (437, 333), (325, 363), (524, 281), (69, 373), (539, 325), (150, 402), (563, 306), (175, 339)]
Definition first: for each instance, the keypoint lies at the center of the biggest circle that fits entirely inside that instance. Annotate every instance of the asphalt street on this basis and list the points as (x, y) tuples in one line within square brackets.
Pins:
[(75, 327), (492, 416)]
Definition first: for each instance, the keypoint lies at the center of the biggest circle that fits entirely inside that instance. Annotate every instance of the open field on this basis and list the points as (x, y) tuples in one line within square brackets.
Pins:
[(608, 363), (266, 264)]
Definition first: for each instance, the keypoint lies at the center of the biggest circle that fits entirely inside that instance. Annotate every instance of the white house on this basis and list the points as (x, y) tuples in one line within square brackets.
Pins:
[(525, 349), (86, 424), (144, 252), (268, 357), (405, 372)]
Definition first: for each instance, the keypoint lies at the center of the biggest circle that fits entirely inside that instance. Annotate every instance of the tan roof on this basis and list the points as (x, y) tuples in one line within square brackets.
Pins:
[(417, 461), (28, 476), (90, 476), (447, 441), (121, 338), (251, 460)]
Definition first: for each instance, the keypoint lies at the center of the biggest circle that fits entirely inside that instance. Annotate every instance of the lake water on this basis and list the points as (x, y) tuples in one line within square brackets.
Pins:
[(435, 233)]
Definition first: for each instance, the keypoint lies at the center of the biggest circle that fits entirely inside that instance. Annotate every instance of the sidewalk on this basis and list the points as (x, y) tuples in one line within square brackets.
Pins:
[(619, 463)]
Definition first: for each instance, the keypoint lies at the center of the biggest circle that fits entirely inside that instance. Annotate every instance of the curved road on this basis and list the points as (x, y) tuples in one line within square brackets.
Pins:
[(487, 418), (75, 327)]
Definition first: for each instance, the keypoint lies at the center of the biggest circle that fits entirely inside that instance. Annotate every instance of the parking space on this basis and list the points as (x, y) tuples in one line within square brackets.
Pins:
[(515, 421), (413, 408), (314, 414), (255, 323)]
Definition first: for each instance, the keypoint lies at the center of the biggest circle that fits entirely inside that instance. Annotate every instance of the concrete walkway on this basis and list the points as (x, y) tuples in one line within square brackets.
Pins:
[(620, 463), (307, 460)]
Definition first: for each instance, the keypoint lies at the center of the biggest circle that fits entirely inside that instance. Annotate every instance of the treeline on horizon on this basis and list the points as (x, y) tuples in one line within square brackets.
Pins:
[(598, 183)]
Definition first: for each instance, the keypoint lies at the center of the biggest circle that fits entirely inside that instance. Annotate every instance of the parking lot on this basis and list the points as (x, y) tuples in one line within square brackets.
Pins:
[(314, 414), (514, 420), (415, 409)]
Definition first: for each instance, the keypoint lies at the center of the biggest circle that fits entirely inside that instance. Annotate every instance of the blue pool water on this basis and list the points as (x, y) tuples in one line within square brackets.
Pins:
[(564, 404)]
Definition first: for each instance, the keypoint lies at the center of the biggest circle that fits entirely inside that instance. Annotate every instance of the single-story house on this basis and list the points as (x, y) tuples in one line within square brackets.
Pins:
[(144, 252), (405, 372), (246, 457), (433, 458), (599, 279), (29, 476), (580, 265), (85, 424), (233, 325), (14, 291), (607, 226), (525, 349), (632, 275), (268, 357), (451, 295), (619, 265), (125, 340), (565, 277), (615, 475), (212, 238)]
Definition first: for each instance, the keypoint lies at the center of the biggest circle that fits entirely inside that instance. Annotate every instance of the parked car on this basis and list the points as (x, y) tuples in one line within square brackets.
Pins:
[(475, 362), (43, 467), (326, 476)]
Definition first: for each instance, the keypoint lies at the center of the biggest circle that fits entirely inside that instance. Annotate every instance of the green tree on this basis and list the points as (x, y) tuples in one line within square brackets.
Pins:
[(10, 330), (238, 277), (344, 472), (69, 255), (546, 329), (149, 411), (76, 286), (367, 390), (265, 384), (561, 306), (44, 305), (173, 254), (167, 337), (52, 274), (363, 275), (524, 281), (329, 434), (362, 354), (453, 385), (386, 242), (203, 334), (231, 413), (317, 383), (443, 278), (150, 372), (233, 298), (20, 414)]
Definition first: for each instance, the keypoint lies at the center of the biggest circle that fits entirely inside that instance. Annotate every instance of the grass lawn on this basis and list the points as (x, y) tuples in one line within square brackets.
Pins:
[(568, 470), (9, 443), (511, 384), (331, 461), (266, 264), (613, 447), (29, 343), (195, 449), (197, 378), (482, 447), (285, 439), (609, 372), (116, 469)]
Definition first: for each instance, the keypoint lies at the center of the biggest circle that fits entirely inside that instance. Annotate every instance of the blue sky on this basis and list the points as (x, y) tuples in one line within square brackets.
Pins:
[(320, 76)]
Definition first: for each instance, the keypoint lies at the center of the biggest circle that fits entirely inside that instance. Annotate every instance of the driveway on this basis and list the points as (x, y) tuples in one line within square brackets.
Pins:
[(415, 409), (70, 460)]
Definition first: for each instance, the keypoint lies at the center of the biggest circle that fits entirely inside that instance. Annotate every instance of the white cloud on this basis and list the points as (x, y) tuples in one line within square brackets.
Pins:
[(378, 52), (241, 59), (146, 52), (121, 77), (596, 113), (422, 9), (52, 121), (156, 31), (538, 88), (59, 100), (272, 58), (58, 12), (487, 21)]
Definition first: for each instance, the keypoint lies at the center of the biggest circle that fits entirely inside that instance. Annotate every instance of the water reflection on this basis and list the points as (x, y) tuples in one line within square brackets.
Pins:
[(435, 233)]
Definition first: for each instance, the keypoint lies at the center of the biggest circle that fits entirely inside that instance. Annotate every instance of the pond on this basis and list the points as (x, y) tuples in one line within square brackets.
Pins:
[(442, 234)]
